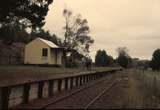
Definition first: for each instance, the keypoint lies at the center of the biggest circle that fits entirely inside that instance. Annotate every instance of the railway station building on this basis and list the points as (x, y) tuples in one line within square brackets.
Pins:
[(43, 52)]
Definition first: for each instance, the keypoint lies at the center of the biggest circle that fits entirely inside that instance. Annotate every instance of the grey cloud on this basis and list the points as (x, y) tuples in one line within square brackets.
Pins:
[(131, 23)]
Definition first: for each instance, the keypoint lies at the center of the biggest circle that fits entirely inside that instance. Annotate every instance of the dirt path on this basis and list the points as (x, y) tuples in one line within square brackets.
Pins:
[(134, 93), (126, 95)]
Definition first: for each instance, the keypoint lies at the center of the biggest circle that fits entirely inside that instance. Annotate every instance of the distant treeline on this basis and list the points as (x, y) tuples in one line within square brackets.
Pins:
[(103, 59), (126, 61)]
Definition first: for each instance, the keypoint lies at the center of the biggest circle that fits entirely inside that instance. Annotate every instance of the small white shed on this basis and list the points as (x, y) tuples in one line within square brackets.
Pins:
[(43, 52)]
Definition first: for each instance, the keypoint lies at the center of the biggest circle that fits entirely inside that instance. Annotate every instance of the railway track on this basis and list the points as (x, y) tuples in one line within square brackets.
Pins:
[(100, 94), (101, 83)]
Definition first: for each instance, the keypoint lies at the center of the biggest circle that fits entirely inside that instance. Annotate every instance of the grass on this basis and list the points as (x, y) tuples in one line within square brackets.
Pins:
[(151, 82), (17, 74)]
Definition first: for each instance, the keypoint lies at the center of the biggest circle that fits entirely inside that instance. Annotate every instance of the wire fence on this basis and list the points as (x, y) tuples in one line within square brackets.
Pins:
[(13, 60)]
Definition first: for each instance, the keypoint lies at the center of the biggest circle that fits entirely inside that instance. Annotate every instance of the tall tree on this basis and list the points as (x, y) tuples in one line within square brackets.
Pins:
[(13, 33), (155, 62), (30, 13), (123, 57), (102, 59), (46, 35), (76, 33), (17, 15), (98, 58)]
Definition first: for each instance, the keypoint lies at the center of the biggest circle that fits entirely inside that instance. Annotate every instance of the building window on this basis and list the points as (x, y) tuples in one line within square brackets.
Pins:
[(44, 52)]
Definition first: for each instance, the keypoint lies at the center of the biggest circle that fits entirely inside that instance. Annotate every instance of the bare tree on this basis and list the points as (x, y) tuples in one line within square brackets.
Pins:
[(77, 31)]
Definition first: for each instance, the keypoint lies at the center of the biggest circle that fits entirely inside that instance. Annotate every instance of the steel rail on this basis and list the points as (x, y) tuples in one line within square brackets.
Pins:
[(100, 94), (73, 93)]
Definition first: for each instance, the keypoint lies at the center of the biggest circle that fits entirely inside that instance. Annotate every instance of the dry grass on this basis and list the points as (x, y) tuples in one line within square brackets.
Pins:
[(151, 84)]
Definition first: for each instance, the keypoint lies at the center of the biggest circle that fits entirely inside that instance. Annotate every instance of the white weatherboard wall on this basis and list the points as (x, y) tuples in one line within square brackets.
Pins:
[(56, 56), (33, 53), (59, 58)]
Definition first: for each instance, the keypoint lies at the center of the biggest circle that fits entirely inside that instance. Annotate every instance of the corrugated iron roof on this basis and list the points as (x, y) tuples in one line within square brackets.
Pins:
[(49, 43)]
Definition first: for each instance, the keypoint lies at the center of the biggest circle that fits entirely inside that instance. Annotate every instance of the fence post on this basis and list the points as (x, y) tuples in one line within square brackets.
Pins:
[(40, 89), (97, 76), (91, 77), (80, 80), (84, 79), (5, 97), (26, 93), (71, 82), (51, 86), (77, 79), (87, 78), (59, 84), (66, 83), (94, 77)]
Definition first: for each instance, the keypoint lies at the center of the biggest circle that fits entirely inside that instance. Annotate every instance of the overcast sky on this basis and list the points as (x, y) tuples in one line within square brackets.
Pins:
[(114, 23)]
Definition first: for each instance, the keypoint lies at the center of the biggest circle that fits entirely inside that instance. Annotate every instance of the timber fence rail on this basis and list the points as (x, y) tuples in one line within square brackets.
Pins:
[(5, 60), (16, 94)]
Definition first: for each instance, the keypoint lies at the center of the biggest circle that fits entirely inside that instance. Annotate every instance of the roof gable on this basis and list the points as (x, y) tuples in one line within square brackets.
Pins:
[(49, 43)]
